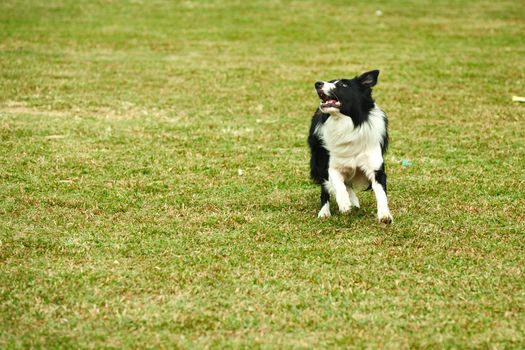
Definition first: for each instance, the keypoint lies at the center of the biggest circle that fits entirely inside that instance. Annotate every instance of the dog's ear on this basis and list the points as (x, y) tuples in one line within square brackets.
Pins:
[(369, 79)]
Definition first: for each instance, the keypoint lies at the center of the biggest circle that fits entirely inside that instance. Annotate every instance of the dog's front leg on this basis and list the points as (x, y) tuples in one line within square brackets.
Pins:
[(337, 183)]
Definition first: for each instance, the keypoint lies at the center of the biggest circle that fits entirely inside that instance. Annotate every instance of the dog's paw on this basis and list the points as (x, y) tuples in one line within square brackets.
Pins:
[(324, 212), (345, 208), (344, 204), (385, 218)]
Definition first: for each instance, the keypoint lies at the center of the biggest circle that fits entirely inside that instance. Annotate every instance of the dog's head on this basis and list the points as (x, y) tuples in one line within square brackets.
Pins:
[(350, 97)]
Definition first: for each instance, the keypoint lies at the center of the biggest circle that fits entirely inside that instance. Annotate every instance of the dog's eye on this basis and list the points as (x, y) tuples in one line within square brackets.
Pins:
[(344, 85)]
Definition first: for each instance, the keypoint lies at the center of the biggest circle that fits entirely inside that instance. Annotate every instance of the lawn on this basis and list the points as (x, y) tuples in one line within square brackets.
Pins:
[(154, 188)]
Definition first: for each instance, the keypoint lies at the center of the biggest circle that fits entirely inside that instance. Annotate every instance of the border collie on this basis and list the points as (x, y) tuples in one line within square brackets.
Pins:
[(348, 138)]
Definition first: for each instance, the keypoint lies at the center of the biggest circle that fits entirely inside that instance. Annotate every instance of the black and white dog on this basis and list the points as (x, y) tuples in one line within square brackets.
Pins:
[(348, 138)]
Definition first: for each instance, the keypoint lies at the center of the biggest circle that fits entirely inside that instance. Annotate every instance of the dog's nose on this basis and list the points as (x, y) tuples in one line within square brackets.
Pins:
[(318, 85)]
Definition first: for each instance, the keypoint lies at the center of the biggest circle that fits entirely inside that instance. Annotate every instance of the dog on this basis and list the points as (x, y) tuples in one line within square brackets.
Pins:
[(348, 139)]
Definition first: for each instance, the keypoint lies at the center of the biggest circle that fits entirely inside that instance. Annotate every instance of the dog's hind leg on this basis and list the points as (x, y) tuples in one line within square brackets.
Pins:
[(325, 203), (379, 187)]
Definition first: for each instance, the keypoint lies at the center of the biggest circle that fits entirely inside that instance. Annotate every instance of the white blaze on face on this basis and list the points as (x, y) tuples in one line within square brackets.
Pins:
[(326, 89)]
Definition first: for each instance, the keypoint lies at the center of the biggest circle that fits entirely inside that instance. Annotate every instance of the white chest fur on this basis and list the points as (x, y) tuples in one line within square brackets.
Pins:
[(353, 147)]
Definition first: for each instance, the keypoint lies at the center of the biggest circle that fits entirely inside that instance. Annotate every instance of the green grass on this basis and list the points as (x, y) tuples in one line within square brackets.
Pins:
[(124, 222)]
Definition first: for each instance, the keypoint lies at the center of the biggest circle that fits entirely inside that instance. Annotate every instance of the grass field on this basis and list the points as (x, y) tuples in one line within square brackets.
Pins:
[(124, 219)]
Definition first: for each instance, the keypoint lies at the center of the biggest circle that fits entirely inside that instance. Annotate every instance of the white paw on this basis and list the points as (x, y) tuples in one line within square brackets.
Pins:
[(345, 208), (344, 204), (324, 212), (385, 217)]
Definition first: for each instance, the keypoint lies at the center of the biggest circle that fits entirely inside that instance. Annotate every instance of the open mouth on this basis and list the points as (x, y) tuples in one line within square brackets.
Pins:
[(328, 101)]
